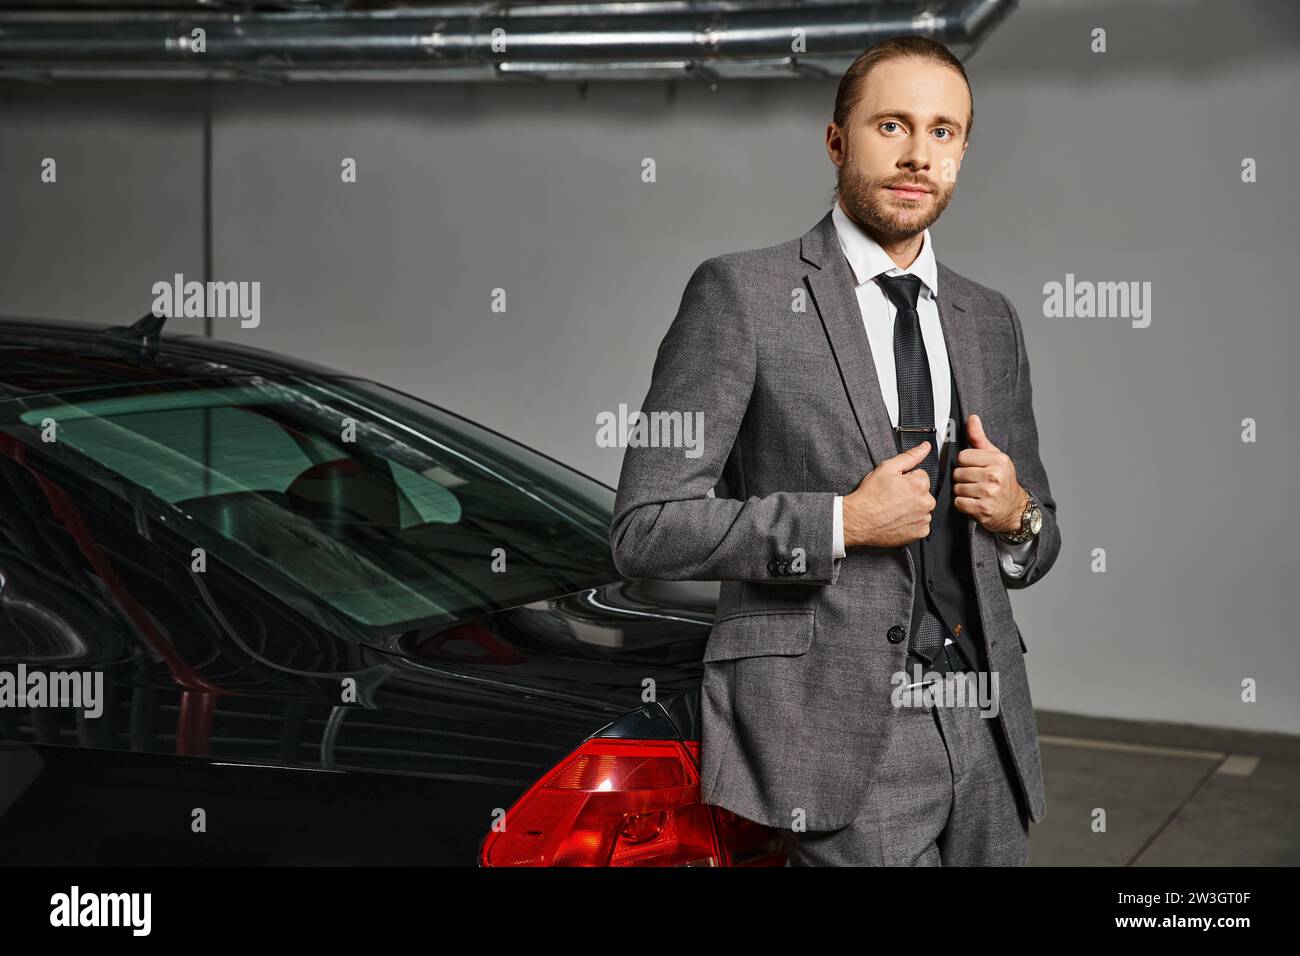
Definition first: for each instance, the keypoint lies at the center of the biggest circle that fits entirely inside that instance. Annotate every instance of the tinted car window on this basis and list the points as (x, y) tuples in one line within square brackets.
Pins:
[(392, 511)]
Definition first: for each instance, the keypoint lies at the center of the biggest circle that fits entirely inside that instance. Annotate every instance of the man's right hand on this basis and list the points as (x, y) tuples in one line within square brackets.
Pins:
[(891, 506)]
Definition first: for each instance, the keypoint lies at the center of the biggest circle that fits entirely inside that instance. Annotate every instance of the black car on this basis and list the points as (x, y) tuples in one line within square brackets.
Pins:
[(331, 623)]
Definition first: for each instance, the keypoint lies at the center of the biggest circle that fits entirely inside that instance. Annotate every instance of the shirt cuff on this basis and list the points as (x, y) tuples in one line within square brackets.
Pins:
[(1014, 557), (837, 528)]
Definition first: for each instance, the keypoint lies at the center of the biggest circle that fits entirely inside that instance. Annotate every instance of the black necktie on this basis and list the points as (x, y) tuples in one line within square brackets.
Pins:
[(912, 366), (915, 419)]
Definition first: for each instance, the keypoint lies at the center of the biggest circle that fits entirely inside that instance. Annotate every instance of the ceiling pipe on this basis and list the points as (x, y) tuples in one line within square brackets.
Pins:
[(723, 39)]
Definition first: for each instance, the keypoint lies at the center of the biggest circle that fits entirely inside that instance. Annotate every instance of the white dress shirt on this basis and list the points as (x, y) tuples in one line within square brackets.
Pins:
[(869, 260)]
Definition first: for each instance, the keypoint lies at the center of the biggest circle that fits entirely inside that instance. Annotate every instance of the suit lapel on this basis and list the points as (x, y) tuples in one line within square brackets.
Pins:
[(832, 288), (961, 336), (832, 285)]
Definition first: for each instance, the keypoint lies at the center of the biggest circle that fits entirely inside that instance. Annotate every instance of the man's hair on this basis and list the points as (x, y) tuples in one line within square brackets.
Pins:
[(895, 48)]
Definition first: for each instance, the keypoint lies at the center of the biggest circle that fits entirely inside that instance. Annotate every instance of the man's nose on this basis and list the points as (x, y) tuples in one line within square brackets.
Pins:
[(917, 155)]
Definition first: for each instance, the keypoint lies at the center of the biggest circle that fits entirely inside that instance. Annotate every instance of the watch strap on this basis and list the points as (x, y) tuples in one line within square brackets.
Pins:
[(1023, 534)]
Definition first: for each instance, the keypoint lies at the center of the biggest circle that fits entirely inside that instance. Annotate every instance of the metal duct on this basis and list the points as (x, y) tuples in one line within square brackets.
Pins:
[(711, 40)]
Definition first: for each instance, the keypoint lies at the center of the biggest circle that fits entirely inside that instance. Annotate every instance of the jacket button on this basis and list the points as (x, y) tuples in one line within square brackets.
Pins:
[(896, 635), (930, 584)]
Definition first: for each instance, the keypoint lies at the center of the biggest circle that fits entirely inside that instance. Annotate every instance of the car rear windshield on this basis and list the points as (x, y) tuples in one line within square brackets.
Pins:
[(393, 512)]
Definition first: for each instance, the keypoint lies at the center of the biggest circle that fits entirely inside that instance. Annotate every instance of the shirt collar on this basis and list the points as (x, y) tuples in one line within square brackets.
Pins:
[(868, 260)]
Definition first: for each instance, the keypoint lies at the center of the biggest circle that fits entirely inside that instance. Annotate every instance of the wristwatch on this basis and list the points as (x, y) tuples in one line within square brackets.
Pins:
[(1031, 522)]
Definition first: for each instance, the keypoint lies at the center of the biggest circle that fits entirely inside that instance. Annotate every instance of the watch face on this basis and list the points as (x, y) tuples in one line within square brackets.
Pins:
[(1035, 520)]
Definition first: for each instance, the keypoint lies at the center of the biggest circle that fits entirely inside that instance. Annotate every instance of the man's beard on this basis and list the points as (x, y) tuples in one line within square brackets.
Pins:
[(891, 219)]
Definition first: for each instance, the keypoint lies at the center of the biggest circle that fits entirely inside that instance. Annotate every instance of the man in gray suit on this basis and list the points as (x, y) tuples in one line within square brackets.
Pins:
[(870, 445)]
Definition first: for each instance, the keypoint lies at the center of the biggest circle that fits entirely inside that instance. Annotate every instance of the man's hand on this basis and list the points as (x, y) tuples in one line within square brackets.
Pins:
[(984, 483), (892, 504)]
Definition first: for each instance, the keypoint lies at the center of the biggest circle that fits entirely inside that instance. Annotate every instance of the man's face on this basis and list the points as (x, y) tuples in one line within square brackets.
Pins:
[(908, 129)]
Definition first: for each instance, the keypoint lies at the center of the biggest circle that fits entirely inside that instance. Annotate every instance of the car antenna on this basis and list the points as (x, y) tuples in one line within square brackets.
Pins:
[(144, 333)]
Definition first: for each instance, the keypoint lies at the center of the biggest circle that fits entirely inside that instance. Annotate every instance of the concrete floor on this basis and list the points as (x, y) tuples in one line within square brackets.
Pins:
[(1173, 795)]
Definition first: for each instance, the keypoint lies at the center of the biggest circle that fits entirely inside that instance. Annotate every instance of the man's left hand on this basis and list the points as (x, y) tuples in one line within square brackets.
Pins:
[(984, 482)]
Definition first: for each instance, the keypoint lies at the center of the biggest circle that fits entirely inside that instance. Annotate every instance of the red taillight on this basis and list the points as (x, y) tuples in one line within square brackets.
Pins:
[(618, 802)]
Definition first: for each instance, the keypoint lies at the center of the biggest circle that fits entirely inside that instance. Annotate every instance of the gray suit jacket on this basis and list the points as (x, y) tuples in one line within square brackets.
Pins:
[(769, 345)]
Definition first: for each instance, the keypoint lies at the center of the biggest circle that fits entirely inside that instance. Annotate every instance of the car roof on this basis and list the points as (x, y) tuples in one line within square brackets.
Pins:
[(40, 356)]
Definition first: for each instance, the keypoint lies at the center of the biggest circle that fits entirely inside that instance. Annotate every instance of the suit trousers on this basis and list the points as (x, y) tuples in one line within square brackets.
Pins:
[(944, 794)]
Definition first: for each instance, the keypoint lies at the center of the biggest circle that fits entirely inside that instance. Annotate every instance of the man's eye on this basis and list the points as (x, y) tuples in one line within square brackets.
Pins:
[(887, 123), (943, 130)]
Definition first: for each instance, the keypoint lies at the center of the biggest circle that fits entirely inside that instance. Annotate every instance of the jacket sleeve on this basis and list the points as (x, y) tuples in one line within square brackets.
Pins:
[(1023, 449), (665, 523)]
